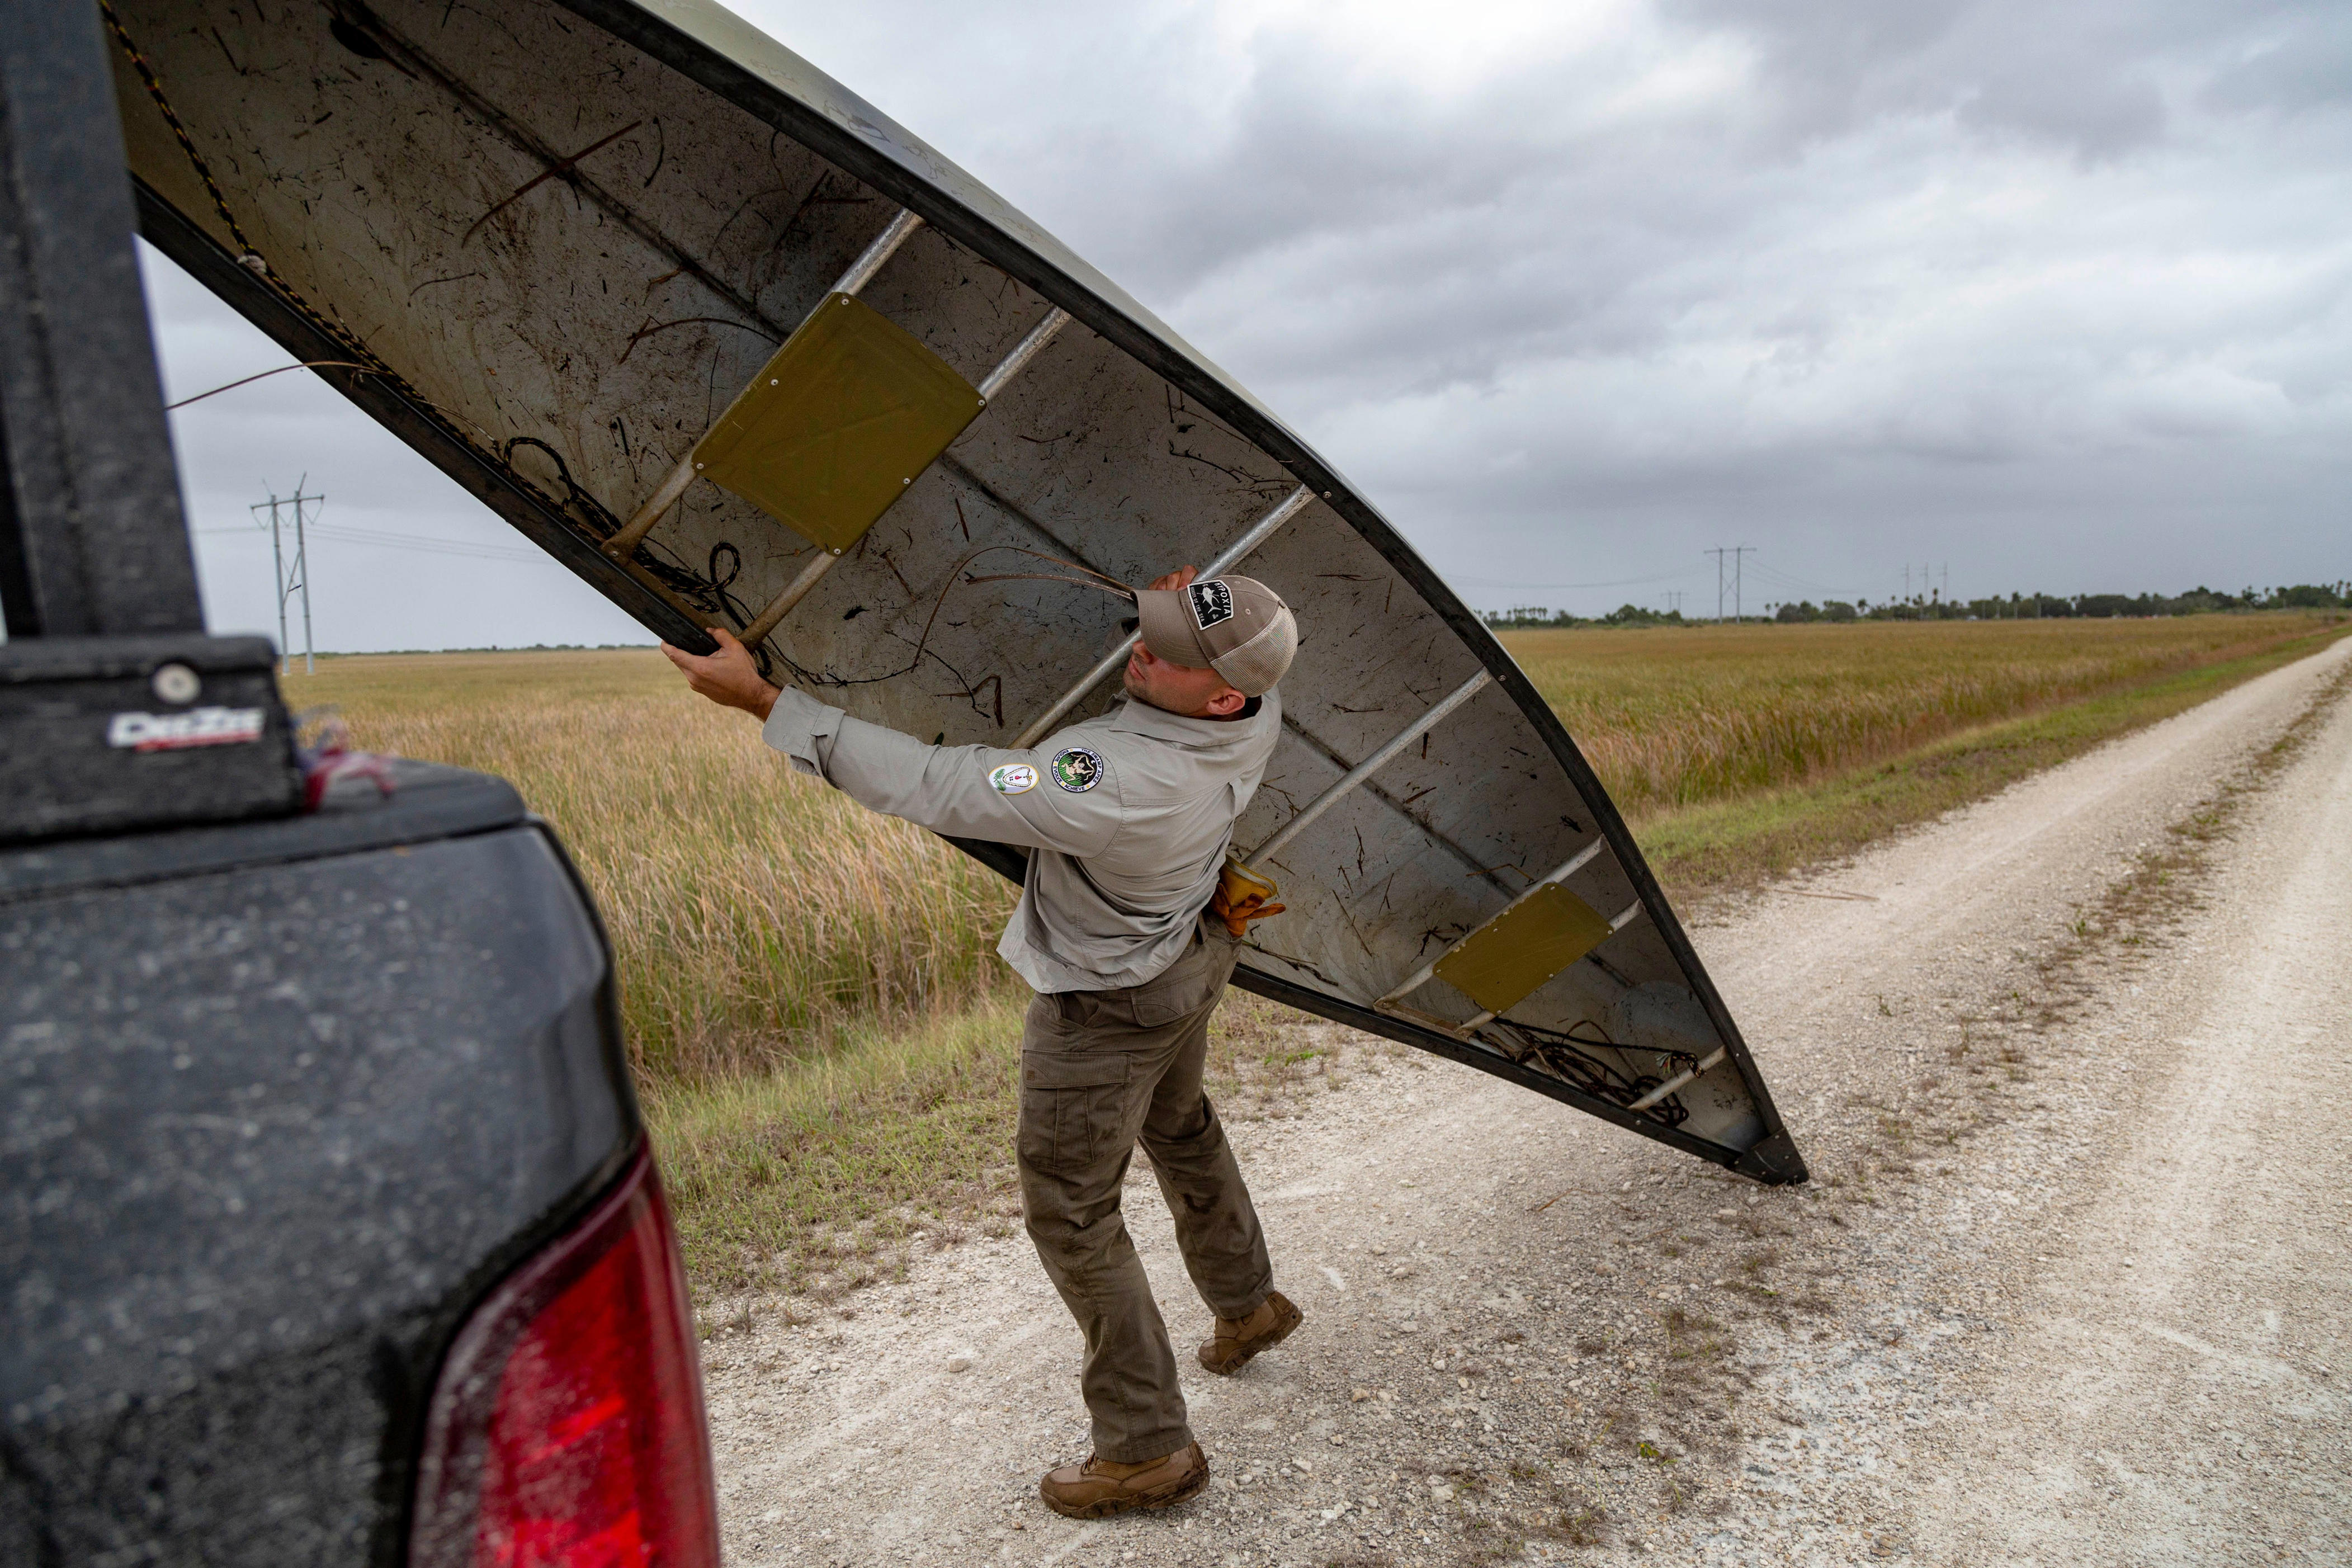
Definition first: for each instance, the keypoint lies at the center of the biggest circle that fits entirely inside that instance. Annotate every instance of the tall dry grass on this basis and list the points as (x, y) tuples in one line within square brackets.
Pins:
[(1673, 718), (825, 1041), (755, 911)]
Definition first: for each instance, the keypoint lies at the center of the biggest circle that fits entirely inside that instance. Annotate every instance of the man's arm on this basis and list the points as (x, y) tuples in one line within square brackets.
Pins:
[(969, 792)]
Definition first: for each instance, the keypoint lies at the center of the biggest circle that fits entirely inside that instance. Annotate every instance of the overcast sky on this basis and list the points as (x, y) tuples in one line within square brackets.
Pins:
[(2056, 296)]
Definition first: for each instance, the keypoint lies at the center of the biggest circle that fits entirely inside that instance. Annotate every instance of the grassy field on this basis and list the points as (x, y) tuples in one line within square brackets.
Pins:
[(1677, 716), (824, 1039), (755, 911), (1736, 753)]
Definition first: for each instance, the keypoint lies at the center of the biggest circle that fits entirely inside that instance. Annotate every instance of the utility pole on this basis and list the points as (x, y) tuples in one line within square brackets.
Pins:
[(1738, 554), (297, 579)]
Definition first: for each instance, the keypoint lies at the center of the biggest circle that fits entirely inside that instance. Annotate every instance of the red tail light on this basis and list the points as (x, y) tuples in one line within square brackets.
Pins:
[(567, 1429)]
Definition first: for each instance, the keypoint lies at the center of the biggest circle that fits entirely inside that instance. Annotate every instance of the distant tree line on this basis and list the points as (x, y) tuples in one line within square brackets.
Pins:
[(1526, 617), (1933, 606)]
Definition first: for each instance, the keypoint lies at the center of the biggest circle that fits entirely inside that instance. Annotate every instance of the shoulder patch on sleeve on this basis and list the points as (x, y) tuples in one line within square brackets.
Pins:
[(1012, 778), (1076, 770)]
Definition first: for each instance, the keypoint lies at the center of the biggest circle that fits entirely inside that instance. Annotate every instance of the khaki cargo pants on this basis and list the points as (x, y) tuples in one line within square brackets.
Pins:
[(1100, 1070)]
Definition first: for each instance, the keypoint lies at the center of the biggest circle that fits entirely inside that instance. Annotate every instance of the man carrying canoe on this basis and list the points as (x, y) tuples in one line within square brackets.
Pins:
[(1127, 936)]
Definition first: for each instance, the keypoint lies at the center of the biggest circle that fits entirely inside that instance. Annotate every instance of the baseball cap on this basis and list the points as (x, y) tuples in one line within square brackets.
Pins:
[(1235, 626)]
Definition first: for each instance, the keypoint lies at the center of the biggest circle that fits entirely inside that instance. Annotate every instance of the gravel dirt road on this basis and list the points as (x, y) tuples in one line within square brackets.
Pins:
[(2067, 1286)]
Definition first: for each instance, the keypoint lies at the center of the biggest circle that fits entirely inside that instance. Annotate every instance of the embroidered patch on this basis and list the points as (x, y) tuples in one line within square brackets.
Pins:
[(1212, 601), (1076, 770), (1012, 778)]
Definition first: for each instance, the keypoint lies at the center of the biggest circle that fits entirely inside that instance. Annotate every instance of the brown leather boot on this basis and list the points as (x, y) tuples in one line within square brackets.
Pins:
[(1098, 1488), (1262, 1331)]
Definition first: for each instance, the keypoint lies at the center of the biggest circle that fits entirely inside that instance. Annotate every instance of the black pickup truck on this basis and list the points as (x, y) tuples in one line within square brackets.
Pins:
[(328, 1229)]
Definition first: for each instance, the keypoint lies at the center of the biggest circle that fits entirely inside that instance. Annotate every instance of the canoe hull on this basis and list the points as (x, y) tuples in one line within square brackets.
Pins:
[(563, 237)]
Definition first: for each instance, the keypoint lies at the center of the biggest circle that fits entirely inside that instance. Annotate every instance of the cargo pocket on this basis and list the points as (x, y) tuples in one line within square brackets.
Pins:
[(1193, 983), (1070, 1109)]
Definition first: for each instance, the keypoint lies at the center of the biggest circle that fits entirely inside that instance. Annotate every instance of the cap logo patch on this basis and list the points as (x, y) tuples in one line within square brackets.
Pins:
[(1076, 770), (1012, 778), (1212, 601)]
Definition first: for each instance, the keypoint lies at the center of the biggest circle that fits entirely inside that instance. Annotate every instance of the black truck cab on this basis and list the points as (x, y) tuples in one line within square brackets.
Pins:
[(325, 1211)]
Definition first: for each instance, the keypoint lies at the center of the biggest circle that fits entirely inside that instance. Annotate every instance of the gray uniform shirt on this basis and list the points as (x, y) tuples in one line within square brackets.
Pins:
[(1126, 818)]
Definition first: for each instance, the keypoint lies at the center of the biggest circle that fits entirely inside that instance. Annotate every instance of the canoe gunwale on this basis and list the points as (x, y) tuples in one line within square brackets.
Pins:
[(1405, 1032)]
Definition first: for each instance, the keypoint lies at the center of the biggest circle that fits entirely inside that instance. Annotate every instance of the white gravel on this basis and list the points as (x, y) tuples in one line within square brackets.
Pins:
[(2068, 1286)]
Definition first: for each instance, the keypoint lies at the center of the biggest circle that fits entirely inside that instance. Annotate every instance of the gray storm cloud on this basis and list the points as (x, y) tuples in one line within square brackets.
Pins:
[(2057, 295)]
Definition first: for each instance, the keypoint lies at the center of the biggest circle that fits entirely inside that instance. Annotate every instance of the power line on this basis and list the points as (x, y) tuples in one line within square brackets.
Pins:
[(1802, 585), (281, 370), (1559, 588), (427, 543)]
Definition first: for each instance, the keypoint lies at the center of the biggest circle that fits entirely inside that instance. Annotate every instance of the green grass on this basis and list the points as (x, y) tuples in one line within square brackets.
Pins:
[(1673, 718), (829, 1173), (1730, 844), (824, 1174)]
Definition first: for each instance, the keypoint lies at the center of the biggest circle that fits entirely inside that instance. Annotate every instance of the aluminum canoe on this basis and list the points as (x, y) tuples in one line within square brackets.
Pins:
[(560, 239)]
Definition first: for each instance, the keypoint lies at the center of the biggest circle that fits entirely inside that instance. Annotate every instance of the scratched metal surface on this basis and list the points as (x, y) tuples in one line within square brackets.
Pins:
[(567, 253)]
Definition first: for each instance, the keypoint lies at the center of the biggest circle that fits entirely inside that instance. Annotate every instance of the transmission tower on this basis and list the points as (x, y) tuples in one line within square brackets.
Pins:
[(1738, 553), (294, 576)]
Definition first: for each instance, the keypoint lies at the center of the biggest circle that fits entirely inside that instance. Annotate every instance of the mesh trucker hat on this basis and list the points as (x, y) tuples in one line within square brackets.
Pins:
[(1235, 626)]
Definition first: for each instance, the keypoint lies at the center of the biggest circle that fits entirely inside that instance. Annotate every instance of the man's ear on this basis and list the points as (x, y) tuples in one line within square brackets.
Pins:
[(1226, 704)]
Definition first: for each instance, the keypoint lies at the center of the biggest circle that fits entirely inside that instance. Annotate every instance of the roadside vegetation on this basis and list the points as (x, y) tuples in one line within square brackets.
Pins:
[(825, 1040), (833, 1173), (1739, 751)]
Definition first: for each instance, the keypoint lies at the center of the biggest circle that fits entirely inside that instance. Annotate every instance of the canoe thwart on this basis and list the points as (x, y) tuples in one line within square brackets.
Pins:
[(1023, 353), (794, 591), (624, 544), (1369, 765), (1705, 1064), (884, 245), (808, 575), (1560, 873), (1500, 974), (1259, 532), (1513, 954), (835, 427)]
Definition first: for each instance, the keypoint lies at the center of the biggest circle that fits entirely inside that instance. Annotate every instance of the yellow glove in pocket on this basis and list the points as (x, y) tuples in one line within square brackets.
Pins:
[(1242, 896)]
